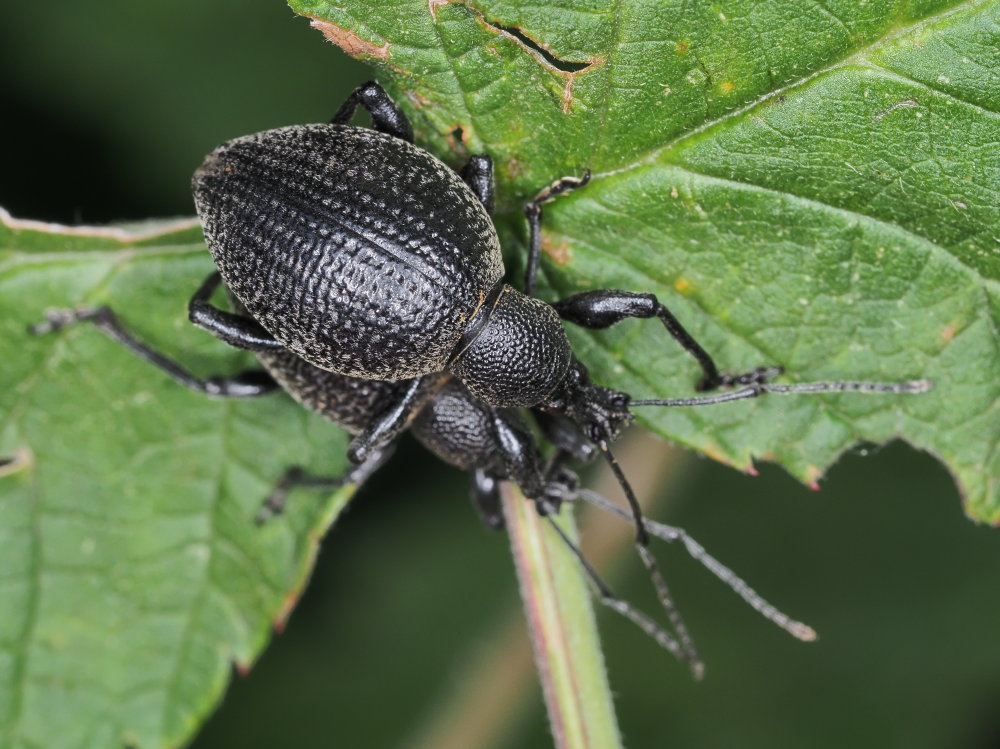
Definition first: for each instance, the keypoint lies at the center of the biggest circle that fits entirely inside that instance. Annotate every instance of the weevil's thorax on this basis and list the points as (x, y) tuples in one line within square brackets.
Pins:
[(361, 253), (458, 428), (515, 351)]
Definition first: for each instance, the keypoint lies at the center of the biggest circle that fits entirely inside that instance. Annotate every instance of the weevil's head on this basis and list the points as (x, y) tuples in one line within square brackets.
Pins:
[(600, 412), (514, 352)]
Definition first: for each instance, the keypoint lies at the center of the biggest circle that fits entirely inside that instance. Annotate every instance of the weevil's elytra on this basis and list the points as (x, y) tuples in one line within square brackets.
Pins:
[(367, 277), (360, 252)]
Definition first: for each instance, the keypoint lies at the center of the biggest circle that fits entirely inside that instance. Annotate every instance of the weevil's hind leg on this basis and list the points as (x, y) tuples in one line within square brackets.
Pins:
[(486, 499), (238, 331), (246, 384), (533, 212), (297, 478), (386, 116), (606, 307), (478, 174)]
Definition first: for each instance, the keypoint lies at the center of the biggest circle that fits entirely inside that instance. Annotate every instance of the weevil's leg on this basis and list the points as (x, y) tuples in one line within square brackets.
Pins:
[(478, 174), (564, 434), (519, 453), (238, 331), (680, 649), (606, 307), (386, 116), (670, 534), (392, 422), (486, 498), (246, 384), (297, 478), (533, 212)]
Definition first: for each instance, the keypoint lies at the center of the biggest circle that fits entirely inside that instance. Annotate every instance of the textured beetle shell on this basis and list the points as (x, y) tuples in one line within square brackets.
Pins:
[(352, 402), (359, 252)]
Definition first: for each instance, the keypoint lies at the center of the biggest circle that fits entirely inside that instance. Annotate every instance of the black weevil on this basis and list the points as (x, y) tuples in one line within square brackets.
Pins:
[(367, 278)]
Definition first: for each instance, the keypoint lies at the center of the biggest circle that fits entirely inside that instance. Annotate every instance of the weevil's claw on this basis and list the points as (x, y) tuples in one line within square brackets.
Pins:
[(57, 319)]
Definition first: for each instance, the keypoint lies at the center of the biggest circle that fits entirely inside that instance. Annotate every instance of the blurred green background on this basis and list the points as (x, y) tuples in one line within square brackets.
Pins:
[(108, 109)]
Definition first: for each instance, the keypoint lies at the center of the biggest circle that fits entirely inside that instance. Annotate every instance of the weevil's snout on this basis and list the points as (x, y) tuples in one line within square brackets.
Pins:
[(600, 412)]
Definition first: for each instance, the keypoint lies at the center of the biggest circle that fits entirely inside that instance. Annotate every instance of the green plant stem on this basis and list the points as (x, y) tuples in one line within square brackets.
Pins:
[(563, 631)]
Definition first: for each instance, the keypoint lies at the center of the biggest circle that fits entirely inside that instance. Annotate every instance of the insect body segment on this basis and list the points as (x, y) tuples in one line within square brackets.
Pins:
[(367, 277)]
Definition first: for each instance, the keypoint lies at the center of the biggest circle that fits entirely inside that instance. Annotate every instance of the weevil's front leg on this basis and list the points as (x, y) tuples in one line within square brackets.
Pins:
[(386, 116), (246, 384), (607, 307), (478, 174), (533, 212)]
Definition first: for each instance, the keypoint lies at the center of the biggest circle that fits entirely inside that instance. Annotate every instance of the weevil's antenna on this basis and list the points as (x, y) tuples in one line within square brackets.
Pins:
[(688, 651), (671, 534), (759, 388), (607, 597)]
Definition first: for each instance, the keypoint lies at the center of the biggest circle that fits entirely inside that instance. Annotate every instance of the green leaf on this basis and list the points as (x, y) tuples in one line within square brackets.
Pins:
[(133, 575), (812, 185), (806, 184)]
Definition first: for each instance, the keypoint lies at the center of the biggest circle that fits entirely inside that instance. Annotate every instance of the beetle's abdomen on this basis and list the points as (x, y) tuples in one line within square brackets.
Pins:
[(361, 253)]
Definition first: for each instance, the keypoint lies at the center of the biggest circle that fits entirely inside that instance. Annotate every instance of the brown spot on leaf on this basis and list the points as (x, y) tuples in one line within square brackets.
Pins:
[(416, 99), (287, 606), (949, 332), (682, 285), (558, 251), (813, 475), (682, 47), (539, 50), (348, 41), (458, 140)]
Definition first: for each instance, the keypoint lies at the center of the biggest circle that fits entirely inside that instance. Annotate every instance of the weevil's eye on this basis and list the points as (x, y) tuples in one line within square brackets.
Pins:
[(619, 401), (520, 356)]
